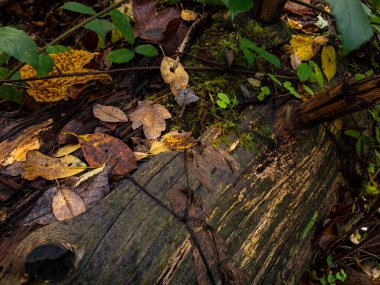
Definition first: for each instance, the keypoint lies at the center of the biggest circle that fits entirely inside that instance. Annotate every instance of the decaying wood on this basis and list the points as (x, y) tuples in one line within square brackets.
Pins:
[(268, 11), (267, 215), (341, 100)]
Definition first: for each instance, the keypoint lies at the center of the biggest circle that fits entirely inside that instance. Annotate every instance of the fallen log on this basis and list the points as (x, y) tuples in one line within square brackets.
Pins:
[(267, 216)]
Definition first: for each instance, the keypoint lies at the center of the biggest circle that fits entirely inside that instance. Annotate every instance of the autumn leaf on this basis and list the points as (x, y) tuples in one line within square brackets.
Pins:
[(109, 114), (151, 117), (177, 78), (188, 15), (151, 25), (306, 47), (55, 89), (100, 148), (38, 164), (172, 141), (67, 204), (329, 62), (67, 149)]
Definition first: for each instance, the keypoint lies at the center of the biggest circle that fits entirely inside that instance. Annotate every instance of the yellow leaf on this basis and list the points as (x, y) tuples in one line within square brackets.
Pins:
[(177, 78), (55, 89), (173, 141), (329, 62), (38, 164), (295, 25), (302, 46), (140, 155), (67, 204), (67, 149), (188, 15)]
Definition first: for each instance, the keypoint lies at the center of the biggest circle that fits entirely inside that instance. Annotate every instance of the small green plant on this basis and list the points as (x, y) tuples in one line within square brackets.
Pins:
[(224, 101), (290, 88), (310, 71), (330, 278), (249, 48), (264, 92)]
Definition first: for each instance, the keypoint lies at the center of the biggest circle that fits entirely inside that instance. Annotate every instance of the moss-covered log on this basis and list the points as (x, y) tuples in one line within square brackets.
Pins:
[(267, 215)]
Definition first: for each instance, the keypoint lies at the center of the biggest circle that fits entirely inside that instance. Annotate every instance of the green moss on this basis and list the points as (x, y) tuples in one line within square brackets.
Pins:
[(309, 225)]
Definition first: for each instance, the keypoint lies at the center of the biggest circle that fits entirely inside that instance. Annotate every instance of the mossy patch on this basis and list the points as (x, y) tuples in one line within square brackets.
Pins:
[(310, 225)]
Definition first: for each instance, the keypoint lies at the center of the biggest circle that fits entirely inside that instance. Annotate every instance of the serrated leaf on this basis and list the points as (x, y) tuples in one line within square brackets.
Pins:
[(304, 72), (151, 117), (147, 50), (18, 44), (100, 26), (123, 24), (56, 49), (329, 62), (78, 7), (45, 65), (352, 23), (237, 6), (55, 89), (272, 59), (121, 55)]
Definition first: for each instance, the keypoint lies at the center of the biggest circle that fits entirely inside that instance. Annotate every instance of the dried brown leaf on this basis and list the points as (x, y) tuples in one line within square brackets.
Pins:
[(177, 78), (151, 117), (109, 114), (67, 204)]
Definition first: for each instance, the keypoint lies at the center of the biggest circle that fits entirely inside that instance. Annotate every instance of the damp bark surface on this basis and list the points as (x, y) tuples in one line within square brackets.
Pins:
[(267, 214)]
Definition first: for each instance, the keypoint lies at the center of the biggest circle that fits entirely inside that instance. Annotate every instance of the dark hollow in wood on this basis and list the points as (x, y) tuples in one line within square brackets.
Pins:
[(267, 215), (268, 11)]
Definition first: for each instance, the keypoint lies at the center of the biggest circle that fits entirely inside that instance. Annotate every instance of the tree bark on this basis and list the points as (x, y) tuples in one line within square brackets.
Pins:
[(268, 11), (267, 215)]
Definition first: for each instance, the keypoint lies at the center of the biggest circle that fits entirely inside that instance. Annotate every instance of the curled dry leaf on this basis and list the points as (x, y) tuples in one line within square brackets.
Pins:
[(100, 148), (188, 15), (55, 89), (177, 78), (109, 114), (67, 204), (15, 150), (151, 117), (67, 149), (38, 164), (172, 141)]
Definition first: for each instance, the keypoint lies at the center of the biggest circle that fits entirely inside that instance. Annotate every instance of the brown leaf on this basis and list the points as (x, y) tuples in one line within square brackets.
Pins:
[(109, 114), (220, 159), (74, 126), (172, 141), (178, 78), (152, 117), (38, 164), (179, 201), (200, 168), (67, 204), (149, 24), (298, 9), (100, 148)]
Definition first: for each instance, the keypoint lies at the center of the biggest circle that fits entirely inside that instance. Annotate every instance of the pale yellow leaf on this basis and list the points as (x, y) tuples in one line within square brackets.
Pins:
[(38, 164), (67, 149), (302, 46), (329, 62), (110, 114), (188, 15), (177, 78), (67, 204), (140, 155), (89, 174)]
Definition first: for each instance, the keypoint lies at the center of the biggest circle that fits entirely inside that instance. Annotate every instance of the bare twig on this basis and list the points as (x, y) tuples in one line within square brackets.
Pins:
[(312, 7)]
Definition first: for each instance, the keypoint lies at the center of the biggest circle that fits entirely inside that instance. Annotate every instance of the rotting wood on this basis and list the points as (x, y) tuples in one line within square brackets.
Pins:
[(268, 11), (267, 216)]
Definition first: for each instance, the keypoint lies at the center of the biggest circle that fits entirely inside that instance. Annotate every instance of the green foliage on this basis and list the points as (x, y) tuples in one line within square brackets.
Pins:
[(146, 50), (304, 72), (247, 46), (100, 26), (290, 88), (352, 23), (308, 90), (56, 49), (78, 7), (317, 73), (9, 93), (45, 65), (18, 44), (237, 6), (123, 24), (264, 92), (223, 100), (122, 55), (331, 277)]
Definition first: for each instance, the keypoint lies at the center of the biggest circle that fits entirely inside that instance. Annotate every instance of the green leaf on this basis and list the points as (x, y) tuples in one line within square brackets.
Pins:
[(237, 6), (376, 4), (304, 72), (329, 261), (358, 147), (359, 76), (371, 190), (274, 79), (19, 45), (46, 64), (100, 26), (10, 93), (308, 89), (122, 23), (147, 50), (261, 96), (121, 55), (272, 59), (368, 140), (224, 97), (79, 8), (353, 133), (221, 104), (323, 280), (341, 275), (265, 90), (4, 72), (249, 56), (317, 73), (331, 278), (352, 23), (291, 89), (3, 57), (56, 49)]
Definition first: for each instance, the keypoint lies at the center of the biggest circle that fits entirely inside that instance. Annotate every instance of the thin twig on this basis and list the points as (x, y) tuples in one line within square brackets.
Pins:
[(70, 31), (312, 7)]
